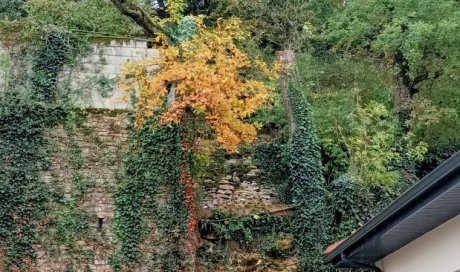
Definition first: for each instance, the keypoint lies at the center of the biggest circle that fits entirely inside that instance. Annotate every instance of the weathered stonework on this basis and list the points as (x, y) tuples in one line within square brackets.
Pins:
[(242, 189), (103, 67), (94, 78), (98, 144), (101, 142)]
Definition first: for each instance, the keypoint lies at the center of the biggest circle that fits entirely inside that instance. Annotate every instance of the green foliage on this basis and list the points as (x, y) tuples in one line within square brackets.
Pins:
[(71, 226), (419, 36), (311, 223), (152, 192), (272, 245), (25, 20), (417, 39), (436, 156), (274, 122), (435, 125), (336, 85), (24, 154), (336, 79), (359, 134), (48, 61), (12, 9), (372, 146), (353, 205), (272, 159), (207, 168), (184, 30), (98, 16), (281, 23), (244, 230)]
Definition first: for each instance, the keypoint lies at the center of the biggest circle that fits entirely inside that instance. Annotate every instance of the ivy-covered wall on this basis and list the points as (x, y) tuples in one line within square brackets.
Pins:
[(86, 163), (93, 76), (85, 172), (62, 145)]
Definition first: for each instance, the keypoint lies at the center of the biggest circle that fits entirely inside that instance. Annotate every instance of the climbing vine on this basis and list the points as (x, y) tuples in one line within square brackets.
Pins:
[(272, 159), (311, 224), (151, 191), (35, 213), (25, 113)]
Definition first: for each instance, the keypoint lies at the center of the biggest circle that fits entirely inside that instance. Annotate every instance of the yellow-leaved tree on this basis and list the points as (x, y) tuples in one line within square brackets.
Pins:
[(209, 76), (204, 78)]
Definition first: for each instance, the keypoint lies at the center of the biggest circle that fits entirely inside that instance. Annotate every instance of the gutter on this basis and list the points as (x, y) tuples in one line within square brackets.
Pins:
[(354, 264)]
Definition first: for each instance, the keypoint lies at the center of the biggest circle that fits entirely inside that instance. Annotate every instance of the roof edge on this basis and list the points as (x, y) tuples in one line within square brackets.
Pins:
[(417, 191)]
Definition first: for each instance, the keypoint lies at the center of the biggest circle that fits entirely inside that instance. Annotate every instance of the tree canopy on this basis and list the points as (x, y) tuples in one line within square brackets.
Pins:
[(418, 38)]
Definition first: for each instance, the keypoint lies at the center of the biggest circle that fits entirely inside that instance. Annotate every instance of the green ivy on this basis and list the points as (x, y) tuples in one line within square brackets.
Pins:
[(311, 222), (12, 9), (272, 159), (27, 110), (24, 153), (351, 206), (151, 191), (48, 60), (245, 229)]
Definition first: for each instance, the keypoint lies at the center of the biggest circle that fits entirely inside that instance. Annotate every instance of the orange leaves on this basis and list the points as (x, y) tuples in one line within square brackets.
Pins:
[(211, 79)]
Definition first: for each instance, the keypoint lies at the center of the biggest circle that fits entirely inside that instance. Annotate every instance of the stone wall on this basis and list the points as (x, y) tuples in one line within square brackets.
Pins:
[(98, 144), (92, 153), (241, 189), (4, 63), (99, 141), (102, 67), (94, 78)]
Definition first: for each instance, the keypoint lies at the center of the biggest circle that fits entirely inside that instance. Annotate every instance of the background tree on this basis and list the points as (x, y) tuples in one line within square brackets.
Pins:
[(415, 41), (284, 26), (417, 38), (12, 9)]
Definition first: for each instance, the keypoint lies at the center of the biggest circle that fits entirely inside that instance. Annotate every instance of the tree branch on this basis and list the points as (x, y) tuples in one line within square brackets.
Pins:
[(424, 77), (140, 17)]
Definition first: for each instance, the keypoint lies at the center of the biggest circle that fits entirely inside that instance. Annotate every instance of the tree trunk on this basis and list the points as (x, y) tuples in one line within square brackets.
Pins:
[(402, 99), (171, 98), (192, 238), (139, 16), (404, 89), (287, 58), (161, 9)]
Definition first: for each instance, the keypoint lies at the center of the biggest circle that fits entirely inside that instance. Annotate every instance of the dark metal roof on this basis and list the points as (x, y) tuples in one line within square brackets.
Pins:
[(429, 203)]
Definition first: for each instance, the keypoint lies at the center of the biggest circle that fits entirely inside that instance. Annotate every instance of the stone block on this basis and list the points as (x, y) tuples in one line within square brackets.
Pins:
[(140, 53), (224, 196), (116, 52), (154, 53), (232, 162), (141, 44), (224, 192), (227, 177), (127, 52), (227, 187), (115, 43)]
